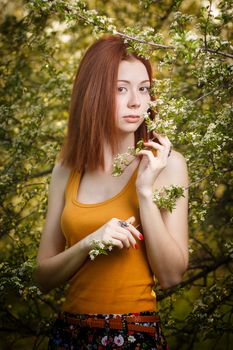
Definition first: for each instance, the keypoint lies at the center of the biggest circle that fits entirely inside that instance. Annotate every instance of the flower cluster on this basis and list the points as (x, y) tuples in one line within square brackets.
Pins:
[(122, 160), (117, 340), (100, 247), (166, 197), (162, 126), (144, 36)]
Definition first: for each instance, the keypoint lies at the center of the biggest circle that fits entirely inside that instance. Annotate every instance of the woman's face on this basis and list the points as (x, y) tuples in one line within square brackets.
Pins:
[(132, 95)]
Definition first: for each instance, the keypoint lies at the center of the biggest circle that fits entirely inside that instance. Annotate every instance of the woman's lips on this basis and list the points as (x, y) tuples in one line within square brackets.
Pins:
[(132, 118)]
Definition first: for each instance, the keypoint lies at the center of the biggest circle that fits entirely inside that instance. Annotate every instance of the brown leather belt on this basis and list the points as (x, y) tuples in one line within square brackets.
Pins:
[(127, 322)]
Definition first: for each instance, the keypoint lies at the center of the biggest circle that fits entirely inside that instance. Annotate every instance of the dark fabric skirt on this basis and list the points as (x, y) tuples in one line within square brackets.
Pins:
[(73, 336)]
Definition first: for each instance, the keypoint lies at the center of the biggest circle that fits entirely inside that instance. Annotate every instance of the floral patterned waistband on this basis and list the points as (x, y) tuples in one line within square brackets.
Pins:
[(66, 335), (81, 316)]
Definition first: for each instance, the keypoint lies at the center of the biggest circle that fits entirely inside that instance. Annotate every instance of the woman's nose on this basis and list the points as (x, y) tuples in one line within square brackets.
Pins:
[(134, 100)]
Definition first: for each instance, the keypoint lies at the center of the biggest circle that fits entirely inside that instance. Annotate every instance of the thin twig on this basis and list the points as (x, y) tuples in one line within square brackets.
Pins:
[(217, 52), (204, 246), (206, 24), (157, 46), (203, 96)]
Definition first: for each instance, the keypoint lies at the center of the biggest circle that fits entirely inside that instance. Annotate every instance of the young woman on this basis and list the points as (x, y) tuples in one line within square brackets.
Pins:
[(110, 302)]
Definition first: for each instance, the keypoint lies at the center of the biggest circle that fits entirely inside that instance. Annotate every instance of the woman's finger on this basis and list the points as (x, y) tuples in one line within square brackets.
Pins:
[(163, 139), (129, 230), (125, 233), (136, 233), (165, 144), (117, 243), (149, 154), (123, 237), (154, 144), (127, 238), (131, 220)]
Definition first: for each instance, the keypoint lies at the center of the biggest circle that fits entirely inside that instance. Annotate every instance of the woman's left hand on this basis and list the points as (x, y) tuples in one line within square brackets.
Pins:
[(150, 166)]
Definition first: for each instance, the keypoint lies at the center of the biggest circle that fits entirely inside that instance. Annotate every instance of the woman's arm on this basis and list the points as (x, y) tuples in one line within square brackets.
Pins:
[(166, 234), (55, 265)]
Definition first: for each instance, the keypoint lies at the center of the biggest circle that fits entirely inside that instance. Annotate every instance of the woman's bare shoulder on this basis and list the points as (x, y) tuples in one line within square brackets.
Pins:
[(176, 160), (60, 174), (175, 172)]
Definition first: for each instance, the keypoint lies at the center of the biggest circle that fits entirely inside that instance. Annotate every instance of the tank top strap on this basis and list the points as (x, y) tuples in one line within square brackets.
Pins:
[(71, 183)]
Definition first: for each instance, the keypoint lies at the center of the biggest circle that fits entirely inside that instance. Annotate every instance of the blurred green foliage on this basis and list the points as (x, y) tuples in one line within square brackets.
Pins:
[(41, 45)]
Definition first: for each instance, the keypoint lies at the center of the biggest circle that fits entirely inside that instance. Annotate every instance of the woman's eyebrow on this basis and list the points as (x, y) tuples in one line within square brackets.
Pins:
[(127, 81)]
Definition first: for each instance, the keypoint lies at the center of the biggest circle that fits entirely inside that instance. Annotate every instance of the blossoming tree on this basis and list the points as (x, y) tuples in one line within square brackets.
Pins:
[(189, 45)]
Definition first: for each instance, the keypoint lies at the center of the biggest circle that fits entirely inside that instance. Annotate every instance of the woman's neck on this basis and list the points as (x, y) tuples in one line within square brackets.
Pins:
[(125, 142)]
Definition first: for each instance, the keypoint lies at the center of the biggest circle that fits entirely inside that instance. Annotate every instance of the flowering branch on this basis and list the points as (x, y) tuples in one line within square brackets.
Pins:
[(105, 24), (159, 46), (165, 198), (161, 126)]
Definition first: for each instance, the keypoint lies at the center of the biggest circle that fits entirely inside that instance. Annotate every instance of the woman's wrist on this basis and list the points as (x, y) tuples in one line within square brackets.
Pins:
[(144, 192), (86, 244)]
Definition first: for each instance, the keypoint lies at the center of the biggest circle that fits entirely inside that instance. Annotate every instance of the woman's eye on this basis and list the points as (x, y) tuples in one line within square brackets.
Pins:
[(121, 89), (145, 88)]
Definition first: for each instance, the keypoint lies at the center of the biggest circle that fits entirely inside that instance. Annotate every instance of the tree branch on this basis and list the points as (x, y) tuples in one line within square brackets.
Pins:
[(156, 46), (203, 96), (217, 52)]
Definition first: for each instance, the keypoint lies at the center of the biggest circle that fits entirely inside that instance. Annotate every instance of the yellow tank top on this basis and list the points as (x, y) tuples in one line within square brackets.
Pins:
[(120, 282)]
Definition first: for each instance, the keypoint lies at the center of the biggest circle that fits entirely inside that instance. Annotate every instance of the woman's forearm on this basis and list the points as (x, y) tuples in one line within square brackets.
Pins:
[(56, 270), (165, 256)]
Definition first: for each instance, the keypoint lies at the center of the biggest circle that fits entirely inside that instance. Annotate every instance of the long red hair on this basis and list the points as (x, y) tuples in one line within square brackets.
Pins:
[(92, 106)]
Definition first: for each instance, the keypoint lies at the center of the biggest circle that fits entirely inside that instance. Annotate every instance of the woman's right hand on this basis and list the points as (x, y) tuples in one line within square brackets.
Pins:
[(118, 235)]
